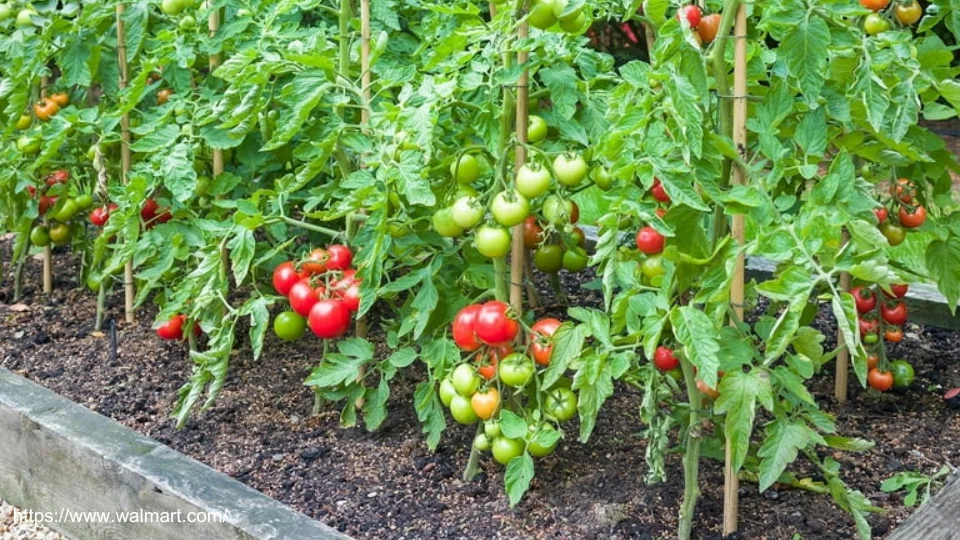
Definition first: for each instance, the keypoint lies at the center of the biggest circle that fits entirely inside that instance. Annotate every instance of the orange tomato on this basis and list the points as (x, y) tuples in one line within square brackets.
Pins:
[(708, 28), (880, 380), (487, 403), (45, 109), (61, 99), (875, 5)]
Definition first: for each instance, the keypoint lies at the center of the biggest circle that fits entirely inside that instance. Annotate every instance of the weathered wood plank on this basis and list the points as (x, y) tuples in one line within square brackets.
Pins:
[(57, 456), (939, 519)]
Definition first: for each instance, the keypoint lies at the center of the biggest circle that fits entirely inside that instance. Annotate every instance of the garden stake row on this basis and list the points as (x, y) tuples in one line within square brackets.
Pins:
[(125, 156)]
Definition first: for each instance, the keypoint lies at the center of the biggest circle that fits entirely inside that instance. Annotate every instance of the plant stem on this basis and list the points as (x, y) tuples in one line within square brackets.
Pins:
[(310, 227), (500, 280), (691, 457), (101, 300), (473, 464)]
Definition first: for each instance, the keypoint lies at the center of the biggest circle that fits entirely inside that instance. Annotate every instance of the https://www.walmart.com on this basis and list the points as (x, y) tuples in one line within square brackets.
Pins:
[(138, 516)]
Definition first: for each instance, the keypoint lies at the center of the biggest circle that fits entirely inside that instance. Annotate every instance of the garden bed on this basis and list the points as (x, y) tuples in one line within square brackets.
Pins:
[(385, 484)]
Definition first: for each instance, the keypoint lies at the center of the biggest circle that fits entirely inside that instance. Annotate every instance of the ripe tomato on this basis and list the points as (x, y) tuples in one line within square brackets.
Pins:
[(462, 411), (872, 361), (649, 241), (163, 95), (493, 324), (285, 276), (531, 232), (510, 208), (315, 262), (664, 359), (60, 176), (912, 220), (173, 328), (491, 361), (708, 28), (875, 5), (895, 314), (464, 380), (339, 257), (444, 224), (467, 212), (504, 449), (62, 99), (893, 335), (533, 180), (902, 190), (351, 296), (289, 326), (561, 404), (895, 234), (99, 216), (149, 210), (463, 334), (570, 169), (303, 297), (465, 170), (711, 393), (45, 109), (516, 370), (46, 203), (879, 380), (903, 374), (492, 241), (908, 13), (548, 258), (658, 192), (691, 14), (486, 403), (882, 214), (541, 340), (875, 24), (536, 129), (898, 290), (329, 318), (868, 326), (865, 299)]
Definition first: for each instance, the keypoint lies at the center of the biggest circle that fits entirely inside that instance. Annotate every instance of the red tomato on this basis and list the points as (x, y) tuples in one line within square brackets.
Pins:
[(493, 324), (329, 318), (303, 297), (149, 210), (173, 328), (664, 359), (649, 241), (895, 314), (661, 212), (865, 299), (58, 177), (531, 232), (315, 262), (658, 192), (882, 214), (351, 296), (912, 220), (340, 257), (285, 276), (99, 216), (691, 13), (541, 344), (494, 354), (872, 361), (868, 326), (463, 332), (902, 190), (899, 290), (878, 380), (46, 203)]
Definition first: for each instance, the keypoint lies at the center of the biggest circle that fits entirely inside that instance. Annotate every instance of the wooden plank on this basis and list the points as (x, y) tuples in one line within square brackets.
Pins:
[(939, 519), (57, 457)]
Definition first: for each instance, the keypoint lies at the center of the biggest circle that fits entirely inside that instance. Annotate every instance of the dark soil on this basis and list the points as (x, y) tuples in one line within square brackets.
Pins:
[(385, 484)]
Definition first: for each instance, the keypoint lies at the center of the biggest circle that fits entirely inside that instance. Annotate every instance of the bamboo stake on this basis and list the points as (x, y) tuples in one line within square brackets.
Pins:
[(518, 252), (731, 484), (125, 156), (213, 24), (843, 356), (48, 249), (365, 81)]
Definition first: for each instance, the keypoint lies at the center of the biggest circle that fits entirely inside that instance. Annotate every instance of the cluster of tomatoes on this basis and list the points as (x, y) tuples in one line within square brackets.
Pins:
[(44, 109), (59, 208), (907, 13), (650, 242), (706, 26), (172, 330), (553, 14), (323, 291), (24, 18), (473, 392), (910, 213), (885, 315)]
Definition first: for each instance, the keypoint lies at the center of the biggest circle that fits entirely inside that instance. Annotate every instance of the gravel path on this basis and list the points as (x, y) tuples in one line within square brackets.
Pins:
[(22, 531)]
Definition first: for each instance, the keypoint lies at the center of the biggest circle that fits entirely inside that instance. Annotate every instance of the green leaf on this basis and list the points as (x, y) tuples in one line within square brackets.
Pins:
[(804, 50), (567, 346), (561, 80), (512, 426), (739, 393), (342, 367), (430, 412), (517, 477), (943, 263), (402, 358), (178, 173), (780, 448), (375, 405), (696, 332), (242, 247)]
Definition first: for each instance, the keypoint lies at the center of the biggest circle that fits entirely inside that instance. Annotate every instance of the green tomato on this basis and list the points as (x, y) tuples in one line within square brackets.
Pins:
[(188, 23), (67, 211), (467, 212), (467, 171), (481, 442), (652, 267), (871, 339), (505, 449), (542, 14), (172, 7), (491, 428), (243, 12), (516, 370), (60, 234), (575, 259), (557, 210), (465, 380), (570, 169), (561, 403), (536, 129), (289, 326), (510, 208), (202, 186), (5, 12), (532, 180), (85, 201), (601, 177), (492, 241), (93, 283), (548, 258), (447, 391), (903, 374), (560, 6), (462, 411), (538, 449), (28, 145), (25, 18), (465, 190), (40, 236), (24, 122), (895, 234), (444, 224), (875, 24), (574, 25)]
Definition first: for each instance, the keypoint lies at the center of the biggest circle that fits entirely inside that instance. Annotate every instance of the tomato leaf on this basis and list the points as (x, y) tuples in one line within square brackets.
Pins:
[(430, 412), (512, 426), (375, 405), (739, 394), (943, 262), (698, 335), (567, 346), (517, 477), (780, 448)]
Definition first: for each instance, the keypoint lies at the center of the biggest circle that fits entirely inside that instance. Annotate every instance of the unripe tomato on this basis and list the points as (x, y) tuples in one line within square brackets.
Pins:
[(510, 208), (652, 268), (516, 370), (533, 180), (880, 380), (664, 359), (914, 219), (895, 234), (561, 404), (481, 442), (463, 333), (462, 411), (60, 234), (504, 449), (444, 224), (875, 24), (559, 211), (24, 121), (903, 374), (548, 258), (486, 403), (909, 13), (575, 259), (539, 450), (494, 325), (542, 14), (289, 326), (570, 169), (467, 212), (492, 241), (536, 129), (465, 170), (447, 392), (40, 236), (172, 7), (649, 241), (491, 429), (465, 380), (329, 318), (601, 177)]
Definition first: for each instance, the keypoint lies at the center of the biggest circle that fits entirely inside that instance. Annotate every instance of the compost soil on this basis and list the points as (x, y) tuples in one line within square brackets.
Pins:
[(386, 484)]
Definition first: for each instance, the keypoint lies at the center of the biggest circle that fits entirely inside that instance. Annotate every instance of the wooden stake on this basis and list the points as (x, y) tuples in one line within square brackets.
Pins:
[(48, 249), (366, 80), (125, 156), (731, 484), (843, 356), (518, 252), (214, 25)]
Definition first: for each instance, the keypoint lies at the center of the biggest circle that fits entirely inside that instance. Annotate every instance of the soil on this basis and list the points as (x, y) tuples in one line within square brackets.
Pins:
[(386, 484)]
